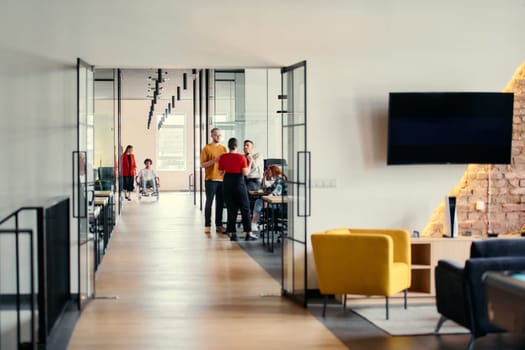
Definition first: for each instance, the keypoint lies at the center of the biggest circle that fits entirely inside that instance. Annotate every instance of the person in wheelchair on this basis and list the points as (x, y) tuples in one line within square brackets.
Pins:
[(147, 179)]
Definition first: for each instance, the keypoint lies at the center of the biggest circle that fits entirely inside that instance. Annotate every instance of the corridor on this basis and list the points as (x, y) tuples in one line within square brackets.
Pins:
[(164, 284)]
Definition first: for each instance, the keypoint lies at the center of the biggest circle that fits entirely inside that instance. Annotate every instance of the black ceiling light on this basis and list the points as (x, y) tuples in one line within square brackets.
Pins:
[(149, 118), (160, 76)]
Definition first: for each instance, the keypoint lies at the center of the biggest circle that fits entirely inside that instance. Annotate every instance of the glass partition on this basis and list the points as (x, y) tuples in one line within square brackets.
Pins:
[(104, 126), (295, 151), (84, 190)]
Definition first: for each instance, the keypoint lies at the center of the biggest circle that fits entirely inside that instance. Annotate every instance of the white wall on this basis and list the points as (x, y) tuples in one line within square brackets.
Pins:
[(357, 51), (38, 127), (37, 134)]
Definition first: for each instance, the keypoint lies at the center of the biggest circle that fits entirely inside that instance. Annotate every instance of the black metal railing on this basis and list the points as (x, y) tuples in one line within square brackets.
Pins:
[(40, 290), (15, 300)]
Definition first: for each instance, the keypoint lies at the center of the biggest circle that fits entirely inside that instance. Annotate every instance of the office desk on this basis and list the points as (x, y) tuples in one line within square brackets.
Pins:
[(273, 204), (254, 195), (275, 199), (257, 194), (111, 204), (105, 220), (506, 300), (103, 193), (95, 220)]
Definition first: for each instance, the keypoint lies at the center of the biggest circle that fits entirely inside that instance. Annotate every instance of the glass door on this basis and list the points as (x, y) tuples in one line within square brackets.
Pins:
[(297, 159), (83, 180)]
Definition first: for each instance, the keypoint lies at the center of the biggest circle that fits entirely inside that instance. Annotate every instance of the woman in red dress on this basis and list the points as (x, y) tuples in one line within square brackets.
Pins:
[(129, 168)]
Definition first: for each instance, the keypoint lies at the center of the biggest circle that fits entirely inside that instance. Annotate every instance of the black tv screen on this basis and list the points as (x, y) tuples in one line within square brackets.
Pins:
[(449, 127)]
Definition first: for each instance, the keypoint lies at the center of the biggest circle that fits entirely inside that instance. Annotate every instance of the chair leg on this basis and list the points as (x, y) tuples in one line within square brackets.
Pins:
[(440, 323), (386, 305), (471, 343), (325, 300), (344, 303), (405, 292)]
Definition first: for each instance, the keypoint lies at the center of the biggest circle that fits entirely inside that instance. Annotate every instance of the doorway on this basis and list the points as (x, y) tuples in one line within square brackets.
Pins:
[(166, 114)]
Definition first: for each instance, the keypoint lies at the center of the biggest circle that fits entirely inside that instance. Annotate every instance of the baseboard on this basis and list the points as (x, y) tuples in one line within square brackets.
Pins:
[(9, 301)]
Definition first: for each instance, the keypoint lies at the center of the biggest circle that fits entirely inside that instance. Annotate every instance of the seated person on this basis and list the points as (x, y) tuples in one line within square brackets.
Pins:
[(274, 184), (147, 177)]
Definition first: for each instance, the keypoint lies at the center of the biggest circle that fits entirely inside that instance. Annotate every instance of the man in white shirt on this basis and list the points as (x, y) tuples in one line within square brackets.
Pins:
[(253, 180)]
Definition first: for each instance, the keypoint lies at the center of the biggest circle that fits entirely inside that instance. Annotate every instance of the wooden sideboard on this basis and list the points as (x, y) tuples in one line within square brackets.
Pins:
[(425, 255)]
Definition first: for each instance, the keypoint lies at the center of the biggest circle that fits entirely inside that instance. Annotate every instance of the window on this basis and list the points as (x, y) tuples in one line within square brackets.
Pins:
[(171, 143)]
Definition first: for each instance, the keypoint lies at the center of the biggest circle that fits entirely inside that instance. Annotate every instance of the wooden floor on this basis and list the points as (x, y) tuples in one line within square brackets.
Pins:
[(176, 288)]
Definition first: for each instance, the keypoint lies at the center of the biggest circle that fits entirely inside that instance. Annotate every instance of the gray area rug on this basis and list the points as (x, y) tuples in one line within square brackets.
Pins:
[(415, 320)]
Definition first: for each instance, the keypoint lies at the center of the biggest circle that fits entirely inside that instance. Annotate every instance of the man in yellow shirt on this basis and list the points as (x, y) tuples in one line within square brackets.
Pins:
[(210, 156)]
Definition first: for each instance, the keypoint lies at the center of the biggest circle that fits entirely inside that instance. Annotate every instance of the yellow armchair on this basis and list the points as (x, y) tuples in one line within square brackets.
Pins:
[(362, 261)]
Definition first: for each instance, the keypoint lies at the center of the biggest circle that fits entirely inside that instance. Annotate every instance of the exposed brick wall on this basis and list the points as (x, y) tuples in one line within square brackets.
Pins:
[(503, 192)]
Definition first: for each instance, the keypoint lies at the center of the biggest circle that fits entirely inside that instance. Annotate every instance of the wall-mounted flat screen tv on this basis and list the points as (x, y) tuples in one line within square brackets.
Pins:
[(449, 127)]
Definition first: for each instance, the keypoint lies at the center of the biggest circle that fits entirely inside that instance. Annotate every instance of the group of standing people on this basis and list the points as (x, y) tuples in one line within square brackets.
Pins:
[(229, 176)]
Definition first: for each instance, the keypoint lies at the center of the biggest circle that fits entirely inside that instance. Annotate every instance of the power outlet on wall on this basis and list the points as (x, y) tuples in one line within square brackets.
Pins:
[(323, 183)]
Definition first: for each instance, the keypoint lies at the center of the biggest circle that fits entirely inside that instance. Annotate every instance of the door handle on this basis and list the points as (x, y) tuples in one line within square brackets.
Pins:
[(305, 157)]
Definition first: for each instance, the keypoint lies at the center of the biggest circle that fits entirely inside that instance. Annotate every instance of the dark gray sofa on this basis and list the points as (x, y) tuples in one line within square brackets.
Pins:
[(460, 293)]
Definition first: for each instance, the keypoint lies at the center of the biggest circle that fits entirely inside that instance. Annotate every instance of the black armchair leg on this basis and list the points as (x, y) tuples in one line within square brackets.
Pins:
[(344, 303), (325, 300), (386, 306), (405, 292), (440, 323)]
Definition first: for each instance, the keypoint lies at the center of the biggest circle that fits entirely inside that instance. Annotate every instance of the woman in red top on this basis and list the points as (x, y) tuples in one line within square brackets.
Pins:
[(129, 168), (235, 167)]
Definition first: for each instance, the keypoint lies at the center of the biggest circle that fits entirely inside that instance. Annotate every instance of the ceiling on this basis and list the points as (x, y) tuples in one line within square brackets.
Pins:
[(139, 84)]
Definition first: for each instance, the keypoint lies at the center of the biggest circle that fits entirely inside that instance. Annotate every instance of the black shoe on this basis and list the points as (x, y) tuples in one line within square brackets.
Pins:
[(233, 237), (250, 237)]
